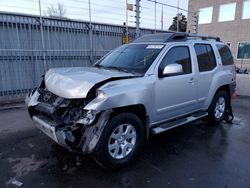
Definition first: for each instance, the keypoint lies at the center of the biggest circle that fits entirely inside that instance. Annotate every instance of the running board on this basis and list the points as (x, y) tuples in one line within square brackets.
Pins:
[(178, 122)]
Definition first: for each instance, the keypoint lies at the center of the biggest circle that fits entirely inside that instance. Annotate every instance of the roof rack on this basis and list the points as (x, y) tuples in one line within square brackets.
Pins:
[(173, 37), (204, 37)]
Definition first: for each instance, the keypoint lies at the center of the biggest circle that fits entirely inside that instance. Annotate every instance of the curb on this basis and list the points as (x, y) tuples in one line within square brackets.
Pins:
[(12, 106)]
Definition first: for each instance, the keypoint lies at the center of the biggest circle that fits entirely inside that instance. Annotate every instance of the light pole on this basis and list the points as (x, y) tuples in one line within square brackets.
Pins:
[(126, 20), (42, 37), (177, 17), (155, 16), (137, 31), (90, 35)]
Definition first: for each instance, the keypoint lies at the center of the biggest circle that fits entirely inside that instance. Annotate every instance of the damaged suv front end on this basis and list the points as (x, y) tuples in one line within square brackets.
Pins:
[(65, 119), (72, 105)]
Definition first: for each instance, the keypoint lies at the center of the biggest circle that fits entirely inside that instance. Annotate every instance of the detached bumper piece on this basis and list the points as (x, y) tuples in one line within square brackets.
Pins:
[(67, 122), (46, 127), (65, 135), (81, 139)]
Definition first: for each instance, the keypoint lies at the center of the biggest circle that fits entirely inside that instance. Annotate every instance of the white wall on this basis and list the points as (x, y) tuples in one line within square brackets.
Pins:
[(243, 84)]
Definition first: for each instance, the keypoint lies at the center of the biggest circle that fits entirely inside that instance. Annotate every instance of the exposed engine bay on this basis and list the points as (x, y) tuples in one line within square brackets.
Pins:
[(70, 122)]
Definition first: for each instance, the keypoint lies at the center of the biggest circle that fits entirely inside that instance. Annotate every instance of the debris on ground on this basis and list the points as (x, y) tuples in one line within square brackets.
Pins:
[(30, 145), (17, 183), (78, 161)]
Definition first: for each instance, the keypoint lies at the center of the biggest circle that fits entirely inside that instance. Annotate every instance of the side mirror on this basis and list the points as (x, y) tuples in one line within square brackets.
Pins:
[(171, 70)]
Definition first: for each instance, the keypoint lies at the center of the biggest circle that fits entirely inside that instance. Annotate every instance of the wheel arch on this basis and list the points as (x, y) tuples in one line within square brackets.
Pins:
[(225, 88), (137, 109)]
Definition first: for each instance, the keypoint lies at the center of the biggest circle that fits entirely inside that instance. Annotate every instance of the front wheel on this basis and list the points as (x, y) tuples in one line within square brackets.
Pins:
[(218, 107), (120, 142)]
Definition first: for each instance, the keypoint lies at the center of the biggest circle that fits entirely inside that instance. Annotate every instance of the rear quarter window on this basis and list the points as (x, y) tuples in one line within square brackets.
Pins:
[(205, 57), (225, 54)]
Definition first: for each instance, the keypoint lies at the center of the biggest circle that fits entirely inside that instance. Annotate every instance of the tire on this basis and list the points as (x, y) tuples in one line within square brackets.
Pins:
[(113, 151), (218, 107)]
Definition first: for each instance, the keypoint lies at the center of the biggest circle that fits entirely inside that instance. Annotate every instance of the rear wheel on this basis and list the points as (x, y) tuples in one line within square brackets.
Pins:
[(218, 107), (120, 142)]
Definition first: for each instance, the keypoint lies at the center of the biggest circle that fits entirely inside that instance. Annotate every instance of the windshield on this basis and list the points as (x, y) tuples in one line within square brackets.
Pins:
[(134, 58)]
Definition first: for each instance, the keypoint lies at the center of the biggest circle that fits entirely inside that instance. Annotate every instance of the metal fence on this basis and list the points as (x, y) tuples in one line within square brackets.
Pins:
[(67, 44)]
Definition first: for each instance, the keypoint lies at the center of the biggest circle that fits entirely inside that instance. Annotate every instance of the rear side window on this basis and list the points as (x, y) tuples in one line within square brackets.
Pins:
[(225, 54), (205, 57), (179, 55)]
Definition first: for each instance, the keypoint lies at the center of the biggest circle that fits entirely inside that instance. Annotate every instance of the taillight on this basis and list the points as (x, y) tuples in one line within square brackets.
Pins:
[(234, 95), (234, 72)]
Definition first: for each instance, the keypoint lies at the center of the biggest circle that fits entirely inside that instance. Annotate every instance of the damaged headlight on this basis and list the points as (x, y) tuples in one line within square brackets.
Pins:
[(88, 117), (29, 95), (101, 94), (65, 103)]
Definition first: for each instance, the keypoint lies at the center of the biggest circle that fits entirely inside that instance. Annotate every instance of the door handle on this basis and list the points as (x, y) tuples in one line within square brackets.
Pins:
[(191, 80)]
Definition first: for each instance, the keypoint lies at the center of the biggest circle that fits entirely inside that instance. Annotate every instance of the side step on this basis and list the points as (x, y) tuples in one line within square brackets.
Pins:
[(178, 122)]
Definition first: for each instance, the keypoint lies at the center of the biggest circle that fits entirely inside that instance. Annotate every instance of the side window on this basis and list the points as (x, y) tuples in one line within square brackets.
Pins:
[(179, 55), (205, 57), (225, 54)]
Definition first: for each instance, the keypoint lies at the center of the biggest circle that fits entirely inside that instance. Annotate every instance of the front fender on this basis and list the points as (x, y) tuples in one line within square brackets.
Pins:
[(125, 93)]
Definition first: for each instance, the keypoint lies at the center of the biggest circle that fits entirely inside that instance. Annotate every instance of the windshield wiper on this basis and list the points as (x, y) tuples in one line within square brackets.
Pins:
[(118, 68), (99, 66), (115, 68)]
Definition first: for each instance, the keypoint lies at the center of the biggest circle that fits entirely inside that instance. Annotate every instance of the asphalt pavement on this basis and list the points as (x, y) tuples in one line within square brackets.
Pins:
[(195, 155)]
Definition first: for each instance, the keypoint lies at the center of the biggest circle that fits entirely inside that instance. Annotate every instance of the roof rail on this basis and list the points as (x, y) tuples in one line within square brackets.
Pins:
[(172, 37), (204, 37), (177, 36)]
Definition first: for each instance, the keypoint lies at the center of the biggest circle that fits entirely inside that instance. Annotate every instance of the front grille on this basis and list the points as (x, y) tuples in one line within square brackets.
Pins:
[(47, 96)]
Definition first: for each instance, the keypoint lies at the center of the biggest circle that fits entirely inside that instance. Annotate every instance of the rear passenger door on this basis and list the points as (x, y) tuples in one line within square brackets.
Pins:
[(206, 69)]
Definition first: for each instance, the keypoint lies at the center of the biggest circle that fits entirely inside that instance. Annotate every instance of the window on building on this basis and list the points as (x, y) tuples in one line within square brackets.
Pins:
[(205, 15), (179, 55), (227, 12), (225, 54), (246, 10), (205, 57), (243, 50)]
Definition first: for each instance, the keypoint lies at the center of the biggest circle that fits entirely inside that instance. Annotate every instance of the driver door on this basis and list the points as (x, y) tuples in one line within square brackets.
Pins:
[(176, 95)]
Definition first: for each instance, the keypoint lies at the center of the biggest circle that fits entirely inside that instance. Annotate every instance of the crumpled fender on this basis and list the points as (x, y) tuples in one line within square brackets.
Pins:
[(93, 133), (125, 93)]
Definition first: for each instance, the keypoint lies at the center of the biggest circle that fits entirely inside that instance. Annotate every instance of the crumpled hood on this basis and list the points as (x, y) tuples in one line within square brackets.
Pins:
[(77, 81)]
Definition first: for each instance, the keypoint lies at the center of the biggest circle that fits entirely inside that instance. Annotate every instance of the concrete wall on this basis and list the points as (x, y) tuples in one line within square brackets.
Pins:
[(243, 84), (233, 32)]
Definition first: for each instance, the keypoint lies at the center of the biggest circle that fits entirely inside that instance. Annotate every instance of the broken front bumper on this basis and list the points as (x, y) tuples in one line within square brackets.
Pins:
[(82, 136), (89, 137), (49, 129)]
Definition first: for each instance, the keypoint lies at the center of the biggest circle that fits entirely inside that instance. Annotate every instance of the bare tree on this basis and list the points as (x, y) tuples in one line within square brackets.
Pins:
[(56, 11)]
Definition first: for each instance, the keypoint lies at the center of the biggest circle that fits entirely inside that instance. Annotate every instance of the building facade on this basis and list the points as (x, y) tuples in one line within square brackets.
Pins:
[(228, 19)]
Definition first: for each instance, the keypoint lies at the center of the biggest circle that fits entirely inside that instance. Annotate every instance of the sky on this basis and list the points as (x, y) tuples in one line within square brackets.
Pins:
[(104, 11)]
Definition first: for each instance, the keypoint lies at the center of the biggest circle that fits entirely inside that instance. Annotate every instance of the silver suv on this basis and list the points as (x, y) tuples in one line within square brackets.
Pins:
[(151, 85)]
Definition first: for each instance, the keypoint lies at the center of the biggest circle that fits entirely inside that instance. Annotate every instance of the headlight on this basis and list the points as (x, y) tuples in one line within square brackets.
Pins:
[(88, 118)]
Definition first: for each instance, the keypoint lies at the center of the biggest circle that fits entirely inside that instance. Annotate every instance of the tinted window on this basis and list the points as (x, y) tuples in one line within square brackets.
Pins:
[(225, 54), (205, 57), (179, 55)]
